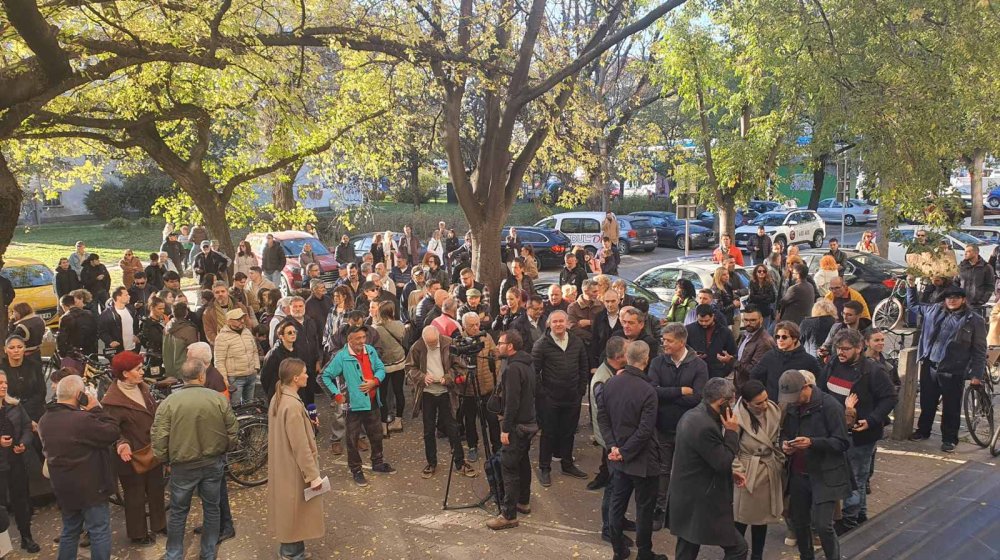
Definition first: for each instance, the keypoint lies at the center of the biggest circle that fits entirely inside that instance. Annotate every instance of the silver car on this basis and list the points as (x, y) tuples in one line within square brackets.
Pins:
[(857, 212), (662, 279)]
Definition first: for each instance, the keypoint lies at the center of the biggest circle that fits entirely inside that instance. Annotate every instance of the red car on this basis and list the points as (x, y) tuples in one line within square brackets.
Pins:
[(292, 243)]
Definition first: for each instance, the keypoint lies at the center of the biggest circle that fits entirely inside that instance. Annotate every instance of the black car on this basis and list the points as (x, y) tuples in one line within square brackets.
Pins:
[(362, 243), (550, 245), (708, 219), (763, 206), (872, 276), (670, 230)]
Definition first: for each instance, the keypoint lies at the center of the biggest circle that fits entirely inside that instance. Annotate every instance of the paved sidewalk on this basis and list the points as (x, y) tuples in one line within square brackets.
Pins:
[(400, 516)]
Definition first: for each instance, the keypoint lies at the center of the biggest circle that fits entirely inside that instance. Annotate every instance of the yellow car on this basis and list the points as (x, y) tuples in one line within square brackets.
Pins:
[(33, 283)]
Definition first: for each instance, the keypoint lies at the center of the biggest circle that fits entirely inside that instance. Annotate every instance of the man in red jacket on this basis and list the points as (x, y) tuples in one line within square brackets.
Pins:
[(727, 248)]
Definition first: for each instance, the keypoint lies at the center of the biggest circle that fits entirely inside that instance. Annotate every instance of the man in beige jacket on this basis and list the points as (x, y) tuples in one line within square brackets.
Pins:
[(236, 357)]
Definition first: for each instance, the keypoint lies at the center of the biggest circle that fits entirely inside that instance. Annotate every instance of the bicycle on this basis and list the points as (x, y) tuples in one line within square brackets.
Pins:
[(978, 403), (246, 465), (891, 310)]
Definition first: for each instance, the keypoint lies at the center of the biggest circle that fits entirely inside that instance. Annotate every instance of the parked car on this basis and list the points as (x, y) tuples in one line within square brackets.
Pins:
[(872, 276), (786, 226), (584, 229), (657, 307), (899, 237), (709, 219), (762, 206), (34, 284), (550, 245), (662, 279), (987, 234), (292, 243), (670, 230), (856, 212)]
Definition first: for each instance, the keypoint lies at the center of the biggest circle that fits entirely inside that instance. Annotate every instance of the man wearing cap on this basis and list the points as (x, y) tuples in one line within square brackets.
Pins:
[(814, 436), (174, 250), (208, 261), (236, 357), (952, 348), (474, 304), (362, 370)]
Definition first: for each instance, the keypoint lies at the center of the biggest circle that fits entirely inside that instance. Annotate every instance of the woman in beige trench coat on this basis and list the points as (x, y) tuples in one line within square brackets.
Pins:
[(760, 462), (292, 464)]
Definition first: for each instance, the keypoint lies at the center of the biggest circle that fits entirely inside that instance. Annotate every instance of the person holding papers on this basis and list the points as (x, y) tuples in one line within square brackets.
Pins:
[(293, 464)]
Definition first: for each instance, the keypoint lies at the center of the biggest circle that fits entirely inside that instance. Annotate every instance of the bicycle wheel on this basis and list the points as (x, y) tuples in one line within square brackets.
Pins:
[(887, 313), (978, 405), (995, 443), (247, 464)]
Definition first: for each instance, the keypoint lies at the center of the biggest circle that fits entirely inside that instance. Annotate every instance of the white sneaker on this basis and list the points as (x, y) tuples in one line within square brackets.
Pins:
[(791, 541)]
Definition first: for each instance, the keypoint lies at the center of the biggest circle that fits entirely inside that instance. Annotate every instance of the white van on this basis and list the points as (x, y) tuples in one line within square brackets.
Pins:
[(584, 229)]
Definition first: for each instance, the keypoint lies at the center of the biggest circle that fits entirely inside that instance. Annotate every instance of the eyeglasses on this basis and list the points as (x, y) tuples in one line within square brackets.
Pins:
[(844, 348), (783, 336), (761, 272)]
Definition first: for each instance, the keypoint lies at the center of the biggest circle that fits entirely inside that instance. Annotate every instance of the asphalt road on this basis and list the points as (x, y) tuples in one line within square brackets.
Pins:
[(634, 264)]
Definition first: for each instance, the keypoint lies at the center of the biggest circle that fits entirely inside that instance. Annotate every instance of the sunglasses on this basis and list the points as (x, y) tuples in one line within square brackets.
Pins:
[(783, 336)]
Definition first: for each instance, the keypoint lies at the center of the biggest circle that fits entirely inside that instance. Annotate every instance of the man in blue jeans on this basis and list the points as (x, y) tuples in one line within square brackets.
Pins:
[(76, 438), (193, 430)]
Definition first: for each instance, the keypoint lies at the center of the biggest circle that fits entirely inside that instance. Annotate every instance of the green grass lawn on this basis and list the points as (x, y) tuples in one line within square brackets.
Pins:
[(48, 243)]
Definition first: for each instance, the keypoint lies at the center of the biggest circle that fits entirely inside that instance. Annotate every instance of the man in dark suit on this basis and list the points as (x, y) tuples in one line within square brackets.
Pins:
[(753, 344), (701, 480), (626, 413)]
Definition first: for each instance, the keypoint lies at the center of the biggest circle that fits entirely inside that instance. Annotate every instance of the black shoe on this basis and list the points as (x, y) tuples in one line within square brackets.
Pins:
[(917, 436), (862, 518), (30, 546), (383, 468), (653, 556), (197, 530), (948, 447), (598, 483), (628, 540), (658, 521), (843, 526), (359, 479), (545, 477), (628, 525), (574, 471), (226, 535), (144, 541), (868, 490)]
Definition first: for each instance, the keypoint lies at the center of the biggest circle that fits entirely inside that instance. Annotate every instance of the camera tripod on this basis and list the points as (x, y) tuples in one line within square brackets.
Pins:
[(493, 478)]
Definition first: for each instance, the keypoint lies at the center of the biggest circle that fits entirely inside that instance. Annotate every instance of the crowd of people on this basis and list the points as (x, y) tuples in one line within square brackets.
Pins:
[(739, 409)]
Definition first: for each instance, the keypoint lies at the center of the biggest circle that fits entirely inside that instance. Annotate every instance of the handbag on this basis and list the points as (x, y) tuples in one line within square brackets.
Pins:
[(494, 404), (143, 460)]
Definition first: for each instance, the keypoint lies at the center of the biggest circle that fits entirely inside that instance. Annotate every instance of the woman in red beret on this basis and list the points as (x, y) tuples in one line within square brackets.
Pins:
[(130, 403)]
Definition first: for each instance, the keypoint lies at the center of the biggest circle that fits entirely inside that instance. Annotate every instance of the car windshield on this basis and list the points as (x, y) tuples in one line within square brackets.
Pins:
[(293, 247), (769, 219), (877, 264), (634, 290), (640, 224), (28, 276), (965, 238)]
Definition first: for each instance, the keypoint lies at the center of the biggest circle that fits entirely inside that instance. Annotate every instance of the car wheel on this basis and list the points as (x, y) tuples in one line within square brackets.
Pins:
[(648, 250), (623, 248), (993, 201), (679, 241), (849, 220), (817, 240), (286, 290)]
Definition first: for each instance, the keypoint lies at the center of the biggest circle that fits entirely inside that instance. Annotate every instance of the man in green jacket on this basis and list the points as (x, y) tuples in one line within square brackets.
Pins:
[(362, 371), (193, 429)]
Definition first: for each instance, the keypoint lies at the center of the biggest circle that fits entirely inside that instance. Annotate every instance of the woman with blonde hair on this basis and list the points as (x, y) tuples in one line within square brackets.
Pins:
[(389, 248), (603, 284), (827, 271), (292, 464), (377, 249), (725, 298), (867, 243), (815, 329)]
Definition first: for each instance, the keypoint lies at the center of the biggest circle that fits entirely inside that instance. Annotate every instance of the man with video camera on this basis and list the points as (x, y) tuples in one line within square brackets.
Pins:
[(518, 428), (478, 390)]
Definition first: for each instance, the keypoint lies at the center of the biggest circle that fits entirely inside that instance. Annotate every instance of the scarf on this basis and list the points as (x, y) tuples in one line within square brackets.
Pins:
[(132, 392)]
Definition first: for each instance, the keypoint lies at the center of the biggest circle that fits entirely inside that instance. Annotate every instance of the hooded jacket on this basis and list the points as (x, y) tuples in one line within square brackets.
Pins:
[(180, 334), (769, 369), (668, 378)]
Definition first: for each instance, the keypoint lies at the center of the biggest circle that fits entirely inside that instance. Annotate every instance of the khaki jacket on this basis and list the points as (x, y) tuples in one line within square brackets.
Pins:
[(292, 464), (236, 353), (761, 460)]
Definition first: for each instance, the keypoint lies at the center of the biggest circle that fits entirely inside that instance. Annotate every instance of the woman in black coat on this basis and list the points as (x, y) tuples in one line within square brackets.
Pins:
[(763, 292), (16, 437), (96, 280)]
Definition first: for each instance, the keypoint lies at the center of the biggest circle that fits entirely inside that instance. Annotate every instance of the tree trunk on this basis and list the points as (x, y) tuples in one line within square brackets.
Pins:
[(976, 162), (213, 212), (486, 260), (819, 177), (282, 192), (726, 215), (11, 197), (413, 170)]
